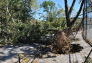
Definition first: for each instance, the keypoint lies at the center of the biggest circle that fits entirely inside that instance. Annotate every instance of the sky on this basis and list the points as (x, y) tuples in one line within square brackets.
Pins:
[(60, 5)]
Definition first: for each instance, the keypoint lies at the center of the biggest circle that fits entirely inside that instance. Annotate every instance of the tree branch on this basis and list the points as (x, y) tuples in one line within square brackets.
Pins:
[(66, 13), (71, 8), (78, 13)]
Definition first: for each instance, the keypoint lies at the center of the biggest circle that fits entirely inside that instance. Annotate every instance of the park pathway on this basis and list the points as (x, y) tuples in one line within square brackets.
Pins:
[(8, 53), (77, 57)]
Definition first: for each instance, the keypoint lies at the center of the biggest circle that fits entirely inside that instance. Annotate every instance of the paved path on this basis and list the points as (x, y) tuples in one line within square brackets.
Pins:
[(77, 57), (8, 54)]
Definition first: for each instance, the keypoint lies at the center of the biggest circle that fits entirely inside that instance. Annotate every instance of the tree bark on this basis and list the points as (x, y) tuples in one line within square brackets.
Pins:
[(66, 13), (78, 13), (69, 11), (63, 41), (71, 8)]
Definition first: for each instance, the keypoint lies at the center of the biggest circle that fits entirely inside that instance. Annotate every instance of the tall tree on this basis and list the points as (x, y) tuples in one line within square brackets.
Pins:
[(12, 12), (49, 7), (68, 12), (18, 9), (21, 9)]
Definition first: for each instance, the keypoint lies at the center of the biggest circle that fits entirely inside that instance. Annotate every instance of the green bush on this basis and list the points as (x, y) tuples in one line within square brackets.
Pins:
[(33, 31)]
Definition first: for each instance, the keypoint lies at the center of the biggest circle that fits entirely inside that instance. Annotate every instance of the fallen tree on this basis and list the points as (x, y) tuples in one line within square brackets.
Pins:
[(62, 42)]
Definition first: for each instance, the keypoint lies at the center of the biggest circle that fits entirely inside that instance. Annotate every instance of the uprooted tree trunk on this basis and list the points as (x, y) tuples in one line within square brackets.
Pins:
[(63, 43), (62, 40)]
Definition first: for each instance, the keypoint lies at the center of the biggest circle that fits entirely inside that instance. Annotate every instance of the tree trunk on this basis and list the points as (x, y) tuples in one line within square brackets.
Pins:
[(63, 42), (62, 39)]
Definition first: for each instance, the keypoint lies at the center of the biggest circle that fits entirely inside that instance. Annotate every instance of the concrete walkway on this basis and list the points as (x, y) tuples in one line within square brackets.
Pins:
[(8, 54)]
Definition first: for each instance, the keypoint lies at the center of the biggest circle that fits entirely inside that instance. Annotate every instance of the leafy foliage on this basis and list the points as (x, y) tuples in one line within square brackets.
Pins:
[(17, 24), (33, 31), (48, 5)]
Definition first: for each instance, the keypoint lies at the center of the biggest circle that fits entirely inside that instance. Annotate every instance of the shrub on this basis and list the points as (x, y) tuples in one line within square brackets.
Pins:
[(33, 31)]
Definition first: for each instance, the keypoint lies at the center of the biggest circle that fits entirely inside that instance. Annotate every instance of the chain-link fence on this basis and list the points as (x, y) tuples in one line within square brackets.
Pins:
[(87, 24)]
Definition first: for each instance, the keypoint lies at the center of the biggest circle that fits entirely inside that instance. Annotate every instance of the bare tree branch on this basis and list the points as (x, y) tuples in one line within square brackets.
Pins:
[(66, 13), (78, 13), (71, 8)]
